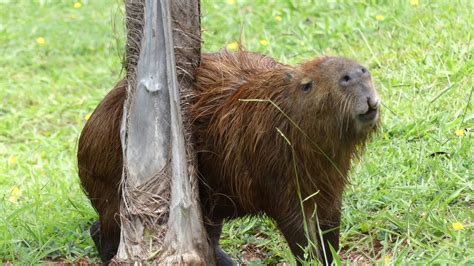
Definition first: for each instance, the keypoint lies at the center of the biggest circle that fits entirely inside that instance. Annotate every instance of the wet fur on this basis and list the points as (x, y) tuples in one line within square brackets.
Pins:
[(254, 156)]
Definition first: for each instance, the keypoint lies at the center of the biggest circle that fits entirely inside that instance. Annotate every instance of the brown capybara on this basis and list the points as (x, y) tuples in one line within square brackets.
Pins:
[(271, 138)]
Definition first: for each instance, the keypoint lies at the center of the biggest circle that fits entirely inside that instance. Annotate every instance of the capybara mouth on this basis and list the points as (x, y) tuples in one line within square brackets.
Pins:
[(368, 116)]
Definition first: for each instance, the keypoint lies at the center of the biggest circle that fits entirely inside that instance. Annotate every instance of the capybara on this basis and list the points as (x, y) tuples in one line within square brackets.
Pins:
[(271, 138)]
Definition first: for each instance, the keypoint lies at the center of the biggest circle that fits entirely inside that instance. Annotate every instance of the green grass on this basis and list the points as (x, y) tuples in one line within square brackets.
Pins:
[(414, 181)]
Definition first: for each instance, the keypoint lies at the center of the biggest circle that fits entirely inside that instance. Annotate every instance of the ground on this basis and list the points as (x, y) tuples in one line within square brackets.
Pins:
[(411, 195)]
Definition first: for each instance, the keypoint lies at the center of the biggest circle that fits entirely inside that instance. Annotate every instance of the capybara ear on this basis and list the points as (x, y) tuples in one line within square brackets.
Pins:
[(289, 75), (295, 75)]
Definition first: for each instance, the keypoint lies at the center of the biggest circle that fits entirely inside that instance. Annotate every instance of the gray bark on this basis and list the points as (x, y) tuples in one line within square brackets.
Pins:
[(158, 153)]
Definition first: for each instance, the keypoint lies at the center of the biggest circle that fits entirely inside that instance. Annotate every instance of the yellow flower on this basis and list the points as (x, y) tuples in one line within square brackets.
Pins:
[(386, 259), (14, 194), (233, 46), (231, 2), (414, 2), (88, 116), (40, 40), (247, 9), (13, 160), (264, 42), (77, 5), (278, 18), (460, 133), (457, 226), (379, 18)]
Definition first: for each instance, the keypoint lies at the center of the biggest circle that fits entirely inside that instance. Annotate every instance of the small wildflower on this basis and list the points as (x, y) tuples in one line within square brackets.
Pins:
[(460, 133), (13, 160), (264, 42), (380, 18), (40, 40), (386, 259), (14, 194), (77, 5), (457, 226), (88, 116), (414, 2), (231, 2), (247, 9), (278, 18), (233, 46)]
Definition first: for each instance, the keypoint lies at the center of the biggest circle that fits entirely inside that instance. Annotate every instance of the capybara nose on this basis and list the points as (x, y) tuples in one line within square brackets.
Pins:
[(354, 75), (371, 109), (373, 102)]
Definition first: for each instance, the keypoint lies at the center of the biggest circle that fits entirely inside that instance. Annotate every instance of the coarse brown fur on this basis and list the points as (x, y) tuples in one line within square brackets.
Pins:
[(271, 138)]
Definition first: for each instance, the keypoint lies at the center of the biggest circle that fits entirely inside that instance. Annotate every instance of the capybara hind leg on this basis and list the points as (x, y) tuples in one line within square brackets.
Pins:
[(105, 242), (214, 232)]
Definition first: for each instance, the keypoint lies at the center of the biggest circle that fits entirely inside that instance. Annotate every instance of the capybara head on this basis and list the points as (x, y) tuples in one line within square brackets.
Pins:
[(339, 94)]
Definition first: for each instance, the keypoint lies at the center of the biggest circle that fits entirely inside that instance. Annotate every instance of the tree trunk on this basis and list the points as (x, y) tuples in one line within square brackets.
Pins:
[(160, 214)]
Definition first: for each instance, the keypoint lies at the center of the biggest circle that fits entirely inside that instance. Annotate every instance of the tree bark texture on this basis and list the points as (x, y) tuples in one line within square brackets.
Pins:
[(160, 213)]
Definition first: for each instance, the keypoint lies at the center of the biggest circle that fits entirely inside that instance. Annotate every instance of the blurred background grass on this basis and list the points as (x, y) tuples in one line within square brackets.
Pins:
[(410, 199)]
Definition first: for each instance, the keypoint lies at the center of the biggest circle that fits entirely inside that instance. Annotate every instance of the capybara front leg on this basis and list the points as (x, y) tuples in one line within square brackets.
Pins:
[(214, 231)]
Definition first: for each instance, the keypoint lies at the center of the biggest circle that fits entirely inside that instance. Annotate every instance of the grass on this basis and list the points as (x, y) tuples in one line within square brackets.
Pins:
[(413, 184)]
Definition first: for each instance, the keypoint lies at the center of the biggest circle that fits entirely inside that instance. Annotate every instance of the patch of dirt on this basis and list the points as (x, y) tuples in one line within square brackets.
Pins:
[(79, 262), (362, 257), (251, 252)]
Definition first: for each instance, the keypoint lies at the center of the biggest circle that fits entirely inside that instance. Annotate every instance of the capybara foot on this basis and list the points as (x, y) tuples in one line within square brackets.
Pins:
[(106, 250), (222, 258)]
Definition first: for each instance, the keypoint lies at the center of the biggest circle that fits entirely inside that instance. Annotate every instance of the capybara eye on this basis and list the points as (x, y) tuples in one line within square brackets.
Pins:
[(307, 87), (306, 84)]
